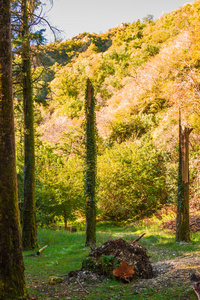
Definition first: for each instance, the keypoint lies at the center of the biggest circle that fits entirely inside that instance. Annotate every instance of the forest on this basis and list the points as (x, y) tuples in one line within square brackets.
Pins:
[(141, 73), (97, 144)]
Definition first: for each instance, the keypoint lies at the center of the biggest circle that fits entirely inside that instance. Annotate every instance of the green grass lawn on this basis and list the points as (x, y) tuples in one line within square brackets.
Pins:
[(66, 251)]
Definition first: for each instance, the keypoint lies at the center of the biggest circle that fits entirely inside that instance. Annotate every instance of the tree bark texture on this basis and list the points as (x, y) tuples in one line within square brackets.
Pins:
[(90, 179), (182, 223), (65, 219), (12, 281), (29, 230)]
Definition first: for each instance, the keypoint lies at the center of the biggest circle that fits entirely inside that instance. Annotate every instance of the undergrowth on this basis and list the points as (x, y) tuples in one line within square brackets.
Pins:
[(66, 251)]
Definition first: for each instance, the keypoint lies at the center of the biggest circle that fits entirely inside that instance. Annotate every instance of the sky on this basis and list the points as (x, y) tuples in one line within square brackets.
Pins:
[(76, 16)]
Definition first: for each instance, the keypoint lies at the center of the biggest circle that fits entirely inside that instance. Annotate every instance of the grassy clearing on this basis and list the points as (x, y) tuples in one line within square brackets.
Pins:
[(66, 251)]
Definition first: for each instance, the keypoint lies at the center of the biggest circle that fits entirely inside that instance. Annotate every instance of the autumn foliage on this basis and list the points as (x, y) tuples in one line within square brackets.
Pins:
[(124, 271)]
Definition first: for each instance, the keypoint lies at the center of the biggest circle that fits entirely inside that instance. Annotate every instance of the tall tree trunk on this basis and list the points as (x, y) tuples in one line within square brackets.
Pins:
[(65, 218), (90, 179), (182, 222), (29, 230), (12, 281)]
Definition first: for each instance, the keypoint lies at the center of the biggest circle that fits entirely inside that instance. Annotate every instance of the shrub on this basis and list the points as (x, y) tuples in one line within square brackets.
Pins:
[(132, 126), (131, 181)]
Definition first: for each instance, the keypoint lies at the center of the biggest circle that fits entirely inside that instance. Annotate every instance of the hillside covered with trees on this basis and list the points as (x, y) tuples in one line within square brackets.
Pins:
[(142, 73)]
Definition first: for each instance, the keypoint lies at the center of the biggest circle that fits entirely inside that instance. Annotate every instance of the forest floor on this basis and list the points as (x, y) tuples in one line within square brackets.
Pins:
[(171, 263), (171, 282)]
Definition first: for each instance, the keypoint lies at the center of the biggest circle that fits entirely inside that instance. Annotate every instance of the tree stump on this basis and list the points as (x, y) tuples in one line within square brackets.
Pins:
[(104, 259), (182, 223)]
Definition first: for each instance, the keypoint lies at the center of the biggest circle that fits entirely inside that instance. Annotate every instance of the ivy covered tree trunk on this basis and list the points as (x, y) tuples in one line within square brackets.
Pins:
[(182, 222), (29, 230), (90, 178), (12, 281)]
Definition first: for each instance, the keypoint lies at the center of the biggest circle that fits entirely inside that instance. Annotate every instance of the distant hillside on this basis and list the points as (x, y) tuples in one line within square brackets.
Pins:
[(142, 73), (136, 69)]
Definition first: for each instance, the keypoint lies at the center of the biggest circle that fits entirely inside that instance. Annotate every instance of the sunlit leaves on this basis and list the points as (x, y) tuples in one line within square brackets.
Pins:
[(131, 180)]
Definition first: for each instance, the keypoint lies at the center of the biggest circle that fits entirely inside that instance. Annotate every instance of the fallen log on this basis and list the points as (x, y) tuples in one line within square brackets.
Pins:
[(38, 253)]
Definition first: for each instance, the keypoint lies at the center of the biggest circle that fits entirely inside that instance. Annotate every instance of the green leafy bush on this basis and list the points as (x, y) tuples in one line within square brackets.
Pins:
[(59, 186), (132, 127), (131, 181)]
